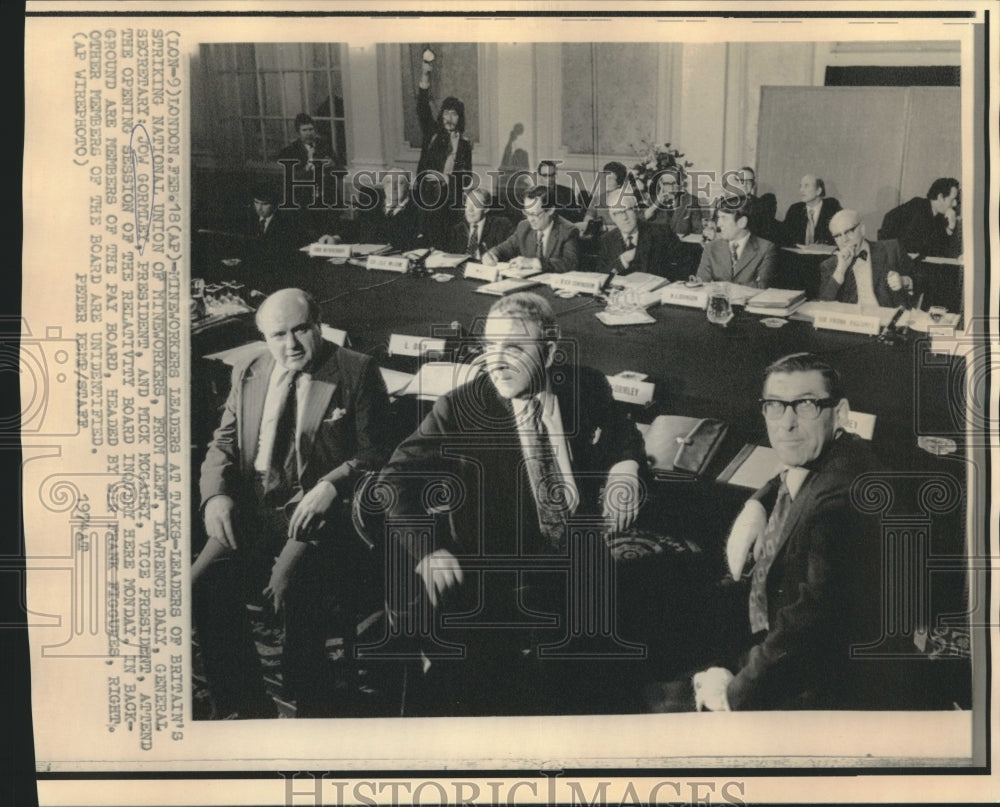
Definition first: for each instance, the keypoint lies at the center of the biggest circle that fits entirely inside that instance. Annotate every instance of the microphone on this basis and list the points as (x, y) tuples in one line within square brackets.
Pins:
[(606, 285)]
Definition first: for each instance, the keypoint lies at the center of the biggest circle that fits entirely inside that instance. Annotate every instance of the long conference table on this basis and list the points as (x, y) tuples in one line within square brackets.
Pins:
[(700, 370)]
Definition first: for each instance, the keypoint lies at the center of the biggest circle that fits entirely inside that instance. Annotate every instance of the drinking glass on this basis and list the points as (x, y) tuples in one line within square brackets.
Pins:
[(936, 313), (719, 310)]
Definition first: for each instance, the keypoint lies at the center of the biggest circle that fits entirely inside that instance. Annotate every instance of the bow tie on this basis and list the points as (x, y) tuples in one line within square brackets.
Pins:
[(862, 256)]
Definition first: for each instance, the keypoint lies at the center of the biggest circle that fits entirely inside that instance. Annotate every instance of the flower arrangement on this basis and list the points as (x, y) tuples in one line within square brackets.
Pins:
[(653, 158)]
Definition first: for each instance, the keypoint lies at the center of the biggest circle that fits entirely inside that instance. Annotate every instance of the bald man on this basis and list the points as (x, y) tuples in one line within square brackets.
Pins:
[(867, 272), (635, 245), (808, 221), (305, 419)]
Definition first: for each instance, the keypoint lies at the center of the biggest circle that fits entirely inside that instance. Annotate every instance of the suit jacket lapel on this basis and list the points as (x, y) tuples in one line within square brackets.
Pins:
[(324, 384), (749, 250), (255, 383)]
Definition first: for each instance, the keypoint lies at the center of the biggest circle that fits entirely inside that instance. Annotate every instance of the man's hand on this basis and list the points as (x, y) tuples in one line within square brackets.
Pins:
[(627, 257), (844, 257), (489, 259), (426, 68), (951, 220), (282, 573), (747, 532), (310, 515), (440, 572), (219, 520), (710, 689), (622, 495)]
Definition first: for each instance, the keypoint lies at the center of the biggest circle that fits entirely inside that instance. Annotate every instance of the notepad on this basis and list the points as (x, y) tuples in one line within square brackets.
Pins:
[(435, 378), (752, 467), (502, 287)]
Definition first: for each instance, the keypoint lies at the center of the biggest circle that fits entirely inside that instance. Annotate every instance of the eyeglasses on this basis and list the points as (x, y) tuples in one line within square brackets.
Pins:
[(804, 408), (845, 232)]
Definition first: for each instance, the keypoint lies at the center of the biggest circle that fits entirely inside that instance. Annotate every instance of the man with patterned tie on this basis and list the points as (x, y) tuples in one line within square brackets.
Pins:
[(482, 229), (737, 255), (808, 221), (814, 584), (635, 245), (532, 443), (543, 241), (871, 273), (304, 420)]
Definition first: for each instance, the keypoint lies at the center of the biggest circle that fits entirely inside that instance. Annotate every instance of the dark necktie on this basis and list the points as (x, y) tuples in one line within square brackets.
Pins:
[(261, 227), (862, 256), (283, 473), (772, 537), (539, 244), (736, 255), (547, 486), (629, 242), (472, 248)]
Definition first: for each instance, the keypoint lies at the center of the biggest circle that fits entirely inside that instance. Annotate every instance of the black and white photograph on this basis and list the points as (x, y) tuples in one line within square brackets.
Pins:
[(463, 397)]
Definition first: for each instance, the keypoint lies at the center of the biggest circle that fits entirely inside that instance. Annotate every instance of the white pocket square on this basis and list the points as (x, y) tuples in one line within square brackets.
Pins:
[(335, 415)]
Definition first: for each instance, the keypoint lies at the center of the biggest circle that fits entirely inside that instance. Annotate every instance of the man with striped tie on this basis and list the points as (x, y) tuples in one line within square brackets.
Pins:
[(543, 241), (481, 230), (737, 255), (304, 420), (530, 447)]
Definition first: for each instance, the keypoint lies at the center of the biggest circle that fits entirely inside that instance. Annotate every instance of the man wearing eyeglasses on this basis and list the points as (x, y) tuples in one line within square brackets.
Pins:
[(563, 196), (544, 240), (814, 575), (872, 273)]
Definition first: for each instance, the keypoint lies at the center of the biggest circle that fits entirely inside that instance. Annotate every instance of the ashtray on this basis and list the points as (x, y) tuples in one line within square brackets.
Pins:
[(937, 445), (773, 322), (231, 261)]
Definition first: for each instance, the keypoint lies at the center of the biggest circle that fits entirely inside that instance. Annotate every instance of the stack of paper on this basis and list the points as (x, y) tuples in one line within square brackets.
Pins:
[(502, 287), (506, 270), (435, 378), (639, 282), (776, 302)]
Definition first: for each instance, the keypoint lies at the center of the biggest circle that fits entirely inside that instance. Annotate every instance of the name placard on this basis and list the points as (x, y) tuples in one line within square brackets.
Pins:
[(681, 295), (480, 271), (335, 335), (396, 263), (852, 323), (629, 391), (579, 282), (403, 345), (861, 424), (329, 250)]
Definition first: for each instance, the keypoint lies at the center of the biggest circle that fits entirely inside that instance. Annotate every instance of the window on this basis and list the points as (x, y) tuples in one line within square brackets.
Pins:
[(258, 89)]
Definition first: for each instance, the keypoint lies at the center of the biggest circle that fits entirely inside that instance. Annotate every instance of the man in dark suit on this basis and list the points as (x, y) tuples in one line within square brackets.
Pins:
[(808, 221), (544, 240), (814, 586), (867, 272), (274, 237), (673, 207), (533, 445), (634, 245), (566, 202), (761, 210), (310, 151), (482, 229), (393, 217), (312, 159), (927, 225), (737, 255), (303, 421)]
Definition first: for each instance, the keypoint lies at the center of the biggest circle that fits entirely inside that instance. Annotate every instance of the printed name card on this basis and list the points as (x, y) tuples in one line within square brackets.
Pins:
[(861, 424), (329, 250), (480, 271), (335, 335), (397, 263), (852, 323), (586, 282), (630, 391), (402, 345), (679, 294)]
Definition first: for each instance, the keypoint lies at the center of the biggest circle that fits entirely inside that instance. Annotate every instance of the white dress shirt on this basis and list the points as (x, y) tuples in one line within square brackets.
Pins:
[(272, 412)]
